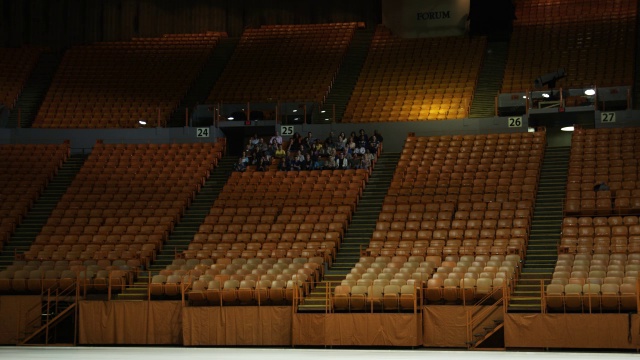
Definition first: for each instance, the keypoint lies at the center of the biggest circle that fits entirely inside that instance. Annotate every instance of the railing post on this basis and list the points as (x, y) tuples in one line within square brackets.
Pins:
[(415, 299), (637, 293), (186, 117), (469, 331), (543, 298), (46, 330), (76, 313), (327, 290), (183, 289), (561, 98)]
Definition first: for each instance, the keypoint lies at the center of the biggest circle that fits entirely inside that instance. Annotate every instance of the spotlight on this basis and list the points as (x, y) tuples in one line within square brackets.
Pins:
[(524, 96), (296, 119), (326, 119), (323, 111), (295, 110), (545, 95), (590, 92), (142, 122), (567, 128), (230, 118)]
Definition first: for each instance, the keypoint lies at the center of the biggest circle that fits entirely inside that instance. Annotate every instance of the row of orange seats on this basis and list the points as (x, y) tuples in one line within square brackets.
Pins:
[(27, 169), (312, 55), (391, 62), (15, 67), (114, 69), (584, 30)]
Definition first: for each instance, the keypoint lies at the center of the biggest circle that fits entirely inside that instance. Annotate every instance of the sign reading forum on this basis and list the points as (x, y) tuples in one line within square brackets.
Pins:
[(425, 18)]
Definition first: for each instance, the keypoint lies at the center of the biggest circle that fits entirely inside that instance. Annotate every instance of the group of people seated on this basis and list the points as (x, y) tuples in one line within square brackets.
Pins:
[(357, 151)]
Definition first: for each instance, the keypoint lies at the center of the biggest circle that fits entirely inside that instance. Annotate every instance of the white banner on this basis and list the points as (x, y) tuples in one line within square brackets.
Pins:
[(425, 18)]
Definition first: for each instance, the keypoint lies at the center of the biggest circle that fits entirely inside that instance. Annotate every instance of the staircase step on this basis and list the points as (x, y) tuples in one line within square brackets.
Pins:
[(358, 234), (489, 80), (200, 89), (541, 253), (188, 226), (348, 74), (35, 88), (37, 217)]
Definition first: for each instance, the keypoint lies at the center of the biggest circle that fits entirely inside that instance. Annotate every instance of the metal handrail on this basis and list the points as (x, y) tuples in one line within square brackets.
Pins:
[(479, 312)]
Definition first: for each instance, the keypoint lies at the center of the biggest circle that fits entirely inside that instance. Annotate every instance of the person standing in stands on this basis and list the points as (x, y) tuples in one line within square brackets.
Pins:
[(276, 139), (295, 144), (307, 142), (342, 142), (363, 139), (377, 135), (342, 163), (374, 144), (367, 159)]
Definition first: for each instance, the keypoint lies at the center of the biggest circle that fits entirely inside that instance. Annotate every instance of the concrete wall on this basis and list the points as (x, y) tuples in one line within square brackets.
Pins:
[(425, 18), (83, 140), (394, 133)]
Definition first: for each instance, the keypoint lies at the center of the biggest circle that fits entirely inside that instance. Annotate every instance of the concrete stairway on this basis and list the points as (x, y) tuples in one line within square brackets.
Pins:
[(347, 76), (489, 80), (37, 217), (186, 228), (359, 232), (34, 90), (201, 87), (542, 250)]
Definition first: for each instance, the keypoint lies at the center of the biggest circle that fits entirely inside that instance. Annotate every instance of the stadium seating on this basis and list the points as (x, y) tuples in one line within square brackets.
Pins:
[(458, 210), (116, 84), (15, 67), (275, 226), (599, 250), (416, 79), (26, 171), (284, 63), (590, 39), (609, 156), (118, 211), (594, 283)]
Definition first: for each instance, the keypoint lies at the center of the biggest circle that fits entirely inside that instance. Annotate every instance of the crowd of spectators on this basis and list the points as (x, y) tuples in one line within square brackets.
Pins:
[(357, 151)]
